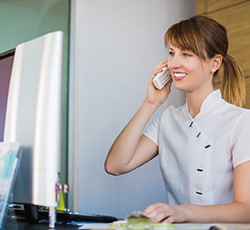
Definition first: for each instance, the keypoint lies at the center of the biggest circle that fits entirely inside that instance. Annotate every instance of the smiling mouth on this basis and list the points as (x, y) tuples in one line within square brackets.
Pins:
[(179, 76)]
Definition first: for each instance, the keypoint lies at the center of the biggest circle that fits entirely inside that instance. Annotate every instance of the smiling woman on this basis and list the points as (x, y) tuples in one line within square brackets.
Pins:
[(205, 140), (207, 42)]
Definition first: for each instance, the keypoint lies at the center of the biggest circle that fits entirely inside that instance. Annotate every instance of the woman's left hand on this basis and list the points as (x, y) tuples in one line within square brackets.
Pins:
[(161, 212)]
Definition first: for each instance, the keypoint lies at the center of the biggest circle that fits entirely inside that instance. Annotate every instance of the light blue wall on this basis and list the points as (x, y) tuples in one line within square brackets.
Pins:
[(23, 20)]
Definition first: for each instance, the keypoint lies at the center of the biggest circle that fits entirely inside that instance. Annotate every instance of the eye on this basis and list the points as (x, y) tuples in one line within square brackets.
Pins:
[(171, 53), (186, 54)]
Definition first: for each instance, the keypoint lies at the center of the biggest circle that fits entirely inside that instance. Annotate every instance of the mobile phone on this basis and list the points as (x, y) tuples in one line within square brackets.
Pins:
[(162, 78)]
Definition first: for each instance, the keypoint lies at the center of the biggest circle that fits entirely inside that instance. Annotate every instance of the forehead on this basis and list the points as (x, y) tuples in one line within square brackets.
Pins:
[(184, 39)]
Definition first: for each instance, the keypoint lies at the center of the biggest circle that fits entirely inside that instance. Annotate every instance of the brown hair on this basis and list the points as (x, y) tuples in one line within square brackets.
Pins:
[(206, 37)]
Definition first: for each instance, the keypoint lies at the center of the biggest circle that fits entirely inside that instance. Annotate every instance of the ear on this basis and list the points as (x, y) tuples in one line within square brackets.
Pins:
[(216, 62)]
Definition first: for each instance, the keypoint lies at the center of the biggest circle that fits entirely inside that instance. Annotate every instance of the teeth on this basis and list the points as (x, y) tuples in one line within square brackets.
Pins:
[(180, 75)]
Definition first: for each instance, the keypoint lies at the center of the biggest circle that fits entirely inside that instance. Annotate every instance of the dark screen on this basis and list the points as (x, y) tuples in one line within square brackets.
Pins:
[(6, 62)]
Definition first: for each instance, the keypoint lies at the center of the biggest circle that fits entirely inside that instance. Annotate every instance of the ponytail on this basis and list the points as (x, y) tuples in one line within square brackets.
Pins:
[(233, 86)]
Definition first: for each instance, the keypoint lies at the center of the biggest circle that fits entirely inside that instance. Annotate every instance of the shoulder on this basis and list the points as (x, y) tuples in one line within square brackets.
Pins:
[(238, 113), (170, 110)]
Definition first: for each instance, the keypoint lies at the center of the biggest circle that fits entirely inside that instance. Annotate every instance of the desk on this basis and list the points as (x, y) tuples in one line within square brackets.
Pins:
[(23, 225), (180, 226)]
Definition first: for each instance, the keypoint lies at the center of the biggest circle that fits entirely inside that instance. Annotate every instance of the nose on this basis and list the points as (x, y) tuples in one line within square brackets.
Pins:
[(174, 62)]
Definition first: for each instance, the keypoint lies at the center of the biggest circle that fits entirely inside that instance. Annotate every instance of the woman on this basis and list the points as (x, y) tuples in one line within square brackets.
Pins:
[(203, 146)]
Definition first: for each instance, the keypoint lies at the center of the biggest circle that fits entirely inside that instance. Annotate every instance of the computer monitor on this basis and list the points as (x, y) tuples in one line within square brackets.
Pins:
[(30, 113)]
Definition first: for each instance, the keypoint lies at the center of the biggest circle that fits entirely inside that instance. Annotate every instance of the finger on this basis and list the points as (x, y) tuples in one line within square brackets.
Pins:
[(168, 85), (162, 64), (169, 219), (156, 212), (157, 70), (159, 217), (149, 209)]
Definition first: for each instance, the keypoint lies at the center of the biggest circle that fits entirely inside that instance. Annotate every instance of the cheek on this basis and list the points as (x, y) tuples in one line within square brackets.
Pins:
[(200, 71)]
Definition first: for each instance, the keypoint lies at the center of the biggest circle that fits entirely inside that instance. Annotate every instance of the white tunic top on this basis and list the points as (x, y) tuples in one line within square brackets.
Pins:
[(197, 155)]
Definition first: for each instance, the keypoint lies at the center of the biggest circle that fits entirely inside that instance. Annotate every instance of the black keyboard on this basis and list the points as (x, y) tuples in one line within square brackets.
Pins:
[(64, 216)]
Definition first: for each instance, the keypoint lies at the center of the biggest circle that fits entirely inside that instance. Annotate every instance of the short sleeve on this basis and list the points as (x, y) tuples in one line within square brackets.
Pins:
[(241, 139), (152, 131)]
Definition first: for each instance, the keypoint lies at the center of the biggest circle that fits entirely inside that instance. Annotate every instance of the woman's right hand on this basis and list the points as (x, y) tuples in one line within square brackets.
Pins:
[(131, 149), (154, 95)]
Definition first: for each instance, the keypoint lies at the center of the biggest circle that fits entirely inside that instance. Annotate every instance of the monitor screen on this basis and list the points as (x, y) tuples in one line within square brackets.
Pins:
[(6, 62)]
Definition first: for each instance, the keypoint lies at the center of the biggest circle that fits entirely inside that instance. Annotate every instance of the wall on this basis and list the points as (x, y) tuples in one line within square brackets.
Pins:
[(23, 20), (234, 15), (115, 46)]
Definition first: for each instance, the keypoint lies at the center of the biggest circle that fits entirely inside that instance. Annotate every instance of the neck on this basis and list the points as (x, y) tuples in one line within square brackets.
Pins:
[(195, 100)]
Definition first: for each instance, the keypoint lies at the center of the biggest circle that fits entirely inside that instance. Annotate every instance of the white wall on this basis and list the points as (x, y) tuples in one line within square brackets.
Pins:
[(115, 45)]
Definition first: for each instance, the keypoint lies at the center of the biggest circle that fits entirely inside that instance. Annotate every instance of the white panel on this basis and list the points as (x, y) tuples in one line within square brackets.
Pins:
[(33, 117), (115, 46)]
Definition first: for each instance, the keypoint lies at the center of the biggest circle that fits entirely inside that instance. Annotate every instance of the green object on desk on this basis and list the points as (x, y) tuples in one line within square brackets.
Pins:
[(137, 221), (137, 218)]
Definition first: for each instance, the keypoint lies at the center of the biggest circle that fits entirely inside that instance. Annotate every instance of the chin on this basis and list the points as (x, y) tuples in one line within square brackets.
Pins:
[(180, 86)]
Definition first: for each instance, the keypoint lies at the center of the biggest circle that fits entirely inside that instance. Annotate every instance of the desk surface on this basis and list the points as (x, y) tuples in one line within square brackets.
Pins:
[(23, 225)]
